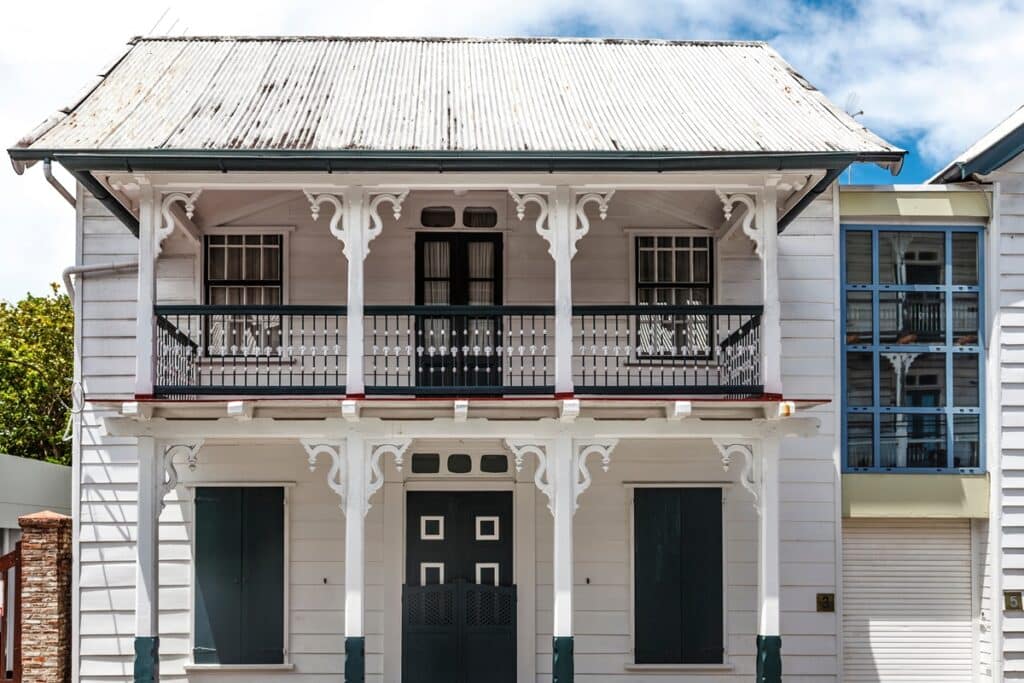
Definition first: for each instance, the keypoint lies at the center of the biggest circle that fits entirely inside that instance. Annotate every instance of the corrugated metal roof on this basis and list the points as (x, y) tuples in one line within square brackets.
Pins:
[(992, 149), (421, 95)]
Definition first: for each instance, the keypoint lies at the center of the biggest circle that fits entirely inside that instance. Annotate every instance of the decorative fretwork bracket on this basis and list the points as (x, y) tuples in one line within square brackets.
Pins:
[(338, 474), (170, 479), (165, 229), (339, 225), (581, 473), (750, 477), (729, 201), (580, 227), (580, 453)]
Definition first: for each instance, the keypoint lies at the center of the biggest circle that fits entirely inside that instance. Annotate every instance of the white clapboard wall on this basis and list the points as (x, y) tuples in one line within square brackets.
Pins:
[(907, 601)]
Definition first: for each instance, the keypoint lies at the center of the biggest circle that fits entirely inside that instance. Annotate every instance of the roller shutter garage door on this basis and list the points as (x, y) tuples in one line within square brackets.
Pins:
[(907, 601)]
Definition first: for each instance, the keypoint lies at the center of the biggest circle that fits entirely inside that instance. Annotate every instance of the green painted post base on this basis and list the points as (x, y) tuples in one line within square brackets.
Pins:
[(769, 659), (562, 667), (147, 659), (355, 659)]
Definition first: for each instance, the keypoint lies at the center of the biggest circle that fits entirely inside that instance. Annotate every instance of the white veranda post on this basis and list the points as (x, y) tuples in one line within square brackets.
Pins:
[(145, 323), (562, 475), (355, 475), (147, 558), (771, 320), (769, 650)]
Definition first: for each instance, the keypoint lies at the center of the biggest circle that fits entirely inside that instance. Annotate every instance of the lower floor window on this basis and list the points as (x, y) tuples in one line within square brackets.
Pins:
[(239, 575), (678, 576)]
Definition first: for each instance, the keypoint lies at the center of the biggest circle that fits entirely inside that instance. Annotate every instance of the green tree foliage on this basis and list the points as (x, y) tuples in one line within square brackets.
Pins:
[(36, 370)]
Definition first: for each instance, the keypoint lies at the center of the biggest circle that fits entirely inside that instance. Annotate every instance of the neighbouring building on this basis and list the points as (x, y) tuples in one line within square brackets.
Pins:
[(609, 378)]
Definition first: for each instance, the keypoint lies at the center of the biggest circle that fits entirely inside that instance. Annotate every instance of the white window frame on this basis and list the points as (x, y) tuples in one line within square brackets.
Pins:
[(632, 234), (632, 664), (286, 663)]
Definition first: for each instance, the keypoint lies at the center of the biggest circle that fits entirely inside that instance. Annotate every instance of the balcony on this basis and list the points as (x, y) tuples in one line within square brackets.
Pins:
[(456, 350)]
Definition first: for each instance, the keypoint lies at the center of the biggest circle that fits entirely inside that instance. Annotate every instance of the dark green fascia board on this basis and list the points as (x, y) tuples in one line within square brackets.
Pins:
[(115, 207), (1000, 153), (82, 162), (788, 217)]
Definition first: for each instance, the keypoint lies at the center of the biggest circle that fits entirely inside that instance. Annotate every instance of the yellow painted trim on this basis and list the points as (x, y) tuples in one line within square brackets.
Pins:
[(910, 204), (915, 495)]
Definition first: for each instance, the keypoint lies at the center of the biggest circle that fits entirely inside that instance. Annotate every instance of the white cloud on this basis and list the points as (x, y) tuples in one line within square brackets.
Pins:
[(944, 72)]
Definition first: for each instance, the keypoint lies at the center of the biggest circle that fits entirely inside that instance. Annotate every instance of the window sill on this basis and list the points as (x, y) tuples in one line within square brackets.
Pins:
[(197, 668), (679, 668)]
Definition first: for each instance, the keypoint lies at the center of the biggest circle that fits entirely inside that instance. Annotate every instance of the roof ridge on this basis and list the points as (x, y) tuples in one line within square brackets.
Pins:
[(452, 39)]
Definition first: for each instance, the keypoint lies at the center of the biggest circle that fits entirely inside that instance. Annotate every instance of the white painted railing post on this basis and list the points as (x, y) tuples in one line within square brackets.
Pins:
[(769, 641), (771, 320), (562, 220), (145, 320), (356, 216), (147, 559)]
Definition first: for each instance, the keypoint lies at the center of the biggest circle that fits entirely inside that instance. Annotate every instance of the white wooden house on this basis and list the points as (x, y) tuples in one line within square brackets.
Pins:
[(554, 323)]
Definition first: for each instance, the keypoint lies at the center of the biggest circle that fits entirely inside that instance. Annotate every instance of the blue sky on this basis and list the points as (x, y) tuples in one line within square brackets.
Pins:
[(931, 76)]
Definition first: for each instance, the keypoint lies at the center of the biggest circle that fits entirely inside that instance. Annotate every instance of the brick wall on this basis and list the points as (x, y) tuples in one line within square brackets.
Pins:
[(45, 598)]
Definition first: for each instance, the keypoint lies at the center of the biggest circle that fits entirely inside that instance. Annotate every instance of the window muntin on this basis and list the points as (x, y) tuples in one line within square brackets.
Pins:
[(912, 348), (674, 271)]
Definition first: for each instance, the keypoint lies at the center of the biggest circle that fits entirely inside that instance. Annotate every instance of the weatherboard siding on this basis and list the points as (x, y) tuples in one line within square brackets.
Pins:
[(1010, 454)]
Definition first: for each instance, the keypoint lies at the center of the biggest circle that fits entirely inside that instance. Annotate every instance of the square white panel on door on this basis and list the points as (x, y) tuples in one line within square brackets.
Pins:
[(431, 528), (488, 529)]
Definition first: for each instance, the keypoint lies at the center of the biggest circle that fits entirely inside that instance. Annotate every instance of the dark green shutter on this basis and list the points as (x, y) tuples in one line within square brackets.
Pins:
[(218, 598), (263, 576), (678, 575), (239, 598)]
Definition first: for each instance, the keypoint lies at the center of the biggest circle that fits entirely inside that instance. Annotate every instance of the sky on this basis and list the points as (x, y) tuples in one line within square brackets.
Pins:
[(929, 76)]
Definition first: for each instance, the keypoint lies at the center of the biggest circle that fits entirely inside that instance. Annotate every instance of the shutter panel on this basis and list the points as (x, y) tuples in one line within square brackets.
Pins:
[(262, 589), (218, 570), (701, 575), (907, 601), (678, 575), (657, 574)]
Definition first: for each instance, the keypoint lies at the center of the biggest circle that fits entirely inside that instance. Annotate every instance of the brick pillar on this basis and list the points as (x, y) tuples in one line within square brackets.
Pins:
[(45, 597)]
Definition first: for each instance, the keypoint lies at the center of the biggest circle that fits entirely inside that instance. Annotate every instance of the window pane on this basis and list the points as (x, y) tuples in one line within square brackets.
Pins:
[(271, 263), (859, 427), (646, 265), (479, 217), (435, 292), (645, 242), (911, 258), (858, 258), (234, 262), (965, 258), (481, 293), (912, 440), (252, 263), (683, 265), (912, 379), (912, 318), (437, 217), (965, 319), (664, 242), (481, 260), (965, 380), (436, 259), (665, 266), (859, 374), (858, 318), (215, 266), (701, 265), (966, 430)]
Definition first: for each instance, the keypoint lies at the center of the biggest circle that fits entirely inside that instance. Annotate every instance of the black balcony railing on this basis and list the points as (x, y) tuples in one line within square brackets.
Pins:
[(453, 350), (250, 350), (457, 350), (667, 349)]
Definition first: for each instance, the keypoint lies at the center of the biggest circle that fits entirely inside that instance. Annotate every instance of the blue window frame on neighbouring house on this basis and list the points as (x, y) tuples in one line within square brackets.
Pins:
[(913, 348)]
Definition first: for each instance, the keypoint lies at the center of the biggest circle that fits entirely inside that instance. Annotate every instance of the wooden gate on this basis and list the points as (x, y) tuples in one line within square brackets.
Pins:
[(10, 616)]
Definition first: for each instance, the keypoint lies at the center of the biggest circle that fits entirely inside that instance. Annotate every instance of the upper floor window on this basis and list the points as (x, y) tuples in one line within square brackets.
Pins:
[(913, 352), (244, 270), (673, 271)]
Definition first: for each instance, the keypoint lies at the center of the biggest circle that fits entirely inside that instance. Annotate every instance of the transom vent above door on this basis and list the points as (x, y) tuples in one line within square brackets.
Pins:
[(481, 464)]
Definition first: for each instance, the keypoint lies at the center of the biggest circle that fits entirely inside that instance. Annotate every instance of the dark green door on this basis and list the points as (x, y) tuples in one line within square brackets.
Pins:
[(458, 602)]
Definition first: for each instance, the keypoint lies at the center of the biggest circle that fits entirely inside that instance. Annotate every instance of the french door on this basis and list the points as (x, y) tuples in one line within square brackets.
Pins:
[(460, 275)]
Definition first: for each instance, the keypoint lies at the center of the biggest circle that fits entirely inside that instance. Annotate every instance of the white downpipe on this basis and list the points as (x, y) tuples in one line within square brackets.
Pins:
[(69, 285)]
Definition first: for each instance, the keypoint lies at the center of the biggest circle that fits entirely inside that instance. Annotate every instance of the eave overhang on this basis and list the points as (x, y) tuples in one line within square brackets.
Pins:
[(82, 163)]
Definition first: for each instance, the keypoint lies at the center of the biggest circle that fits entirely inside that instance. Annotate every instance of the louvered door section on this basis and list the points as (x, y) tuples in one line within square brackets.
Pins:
[(907, 608)]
